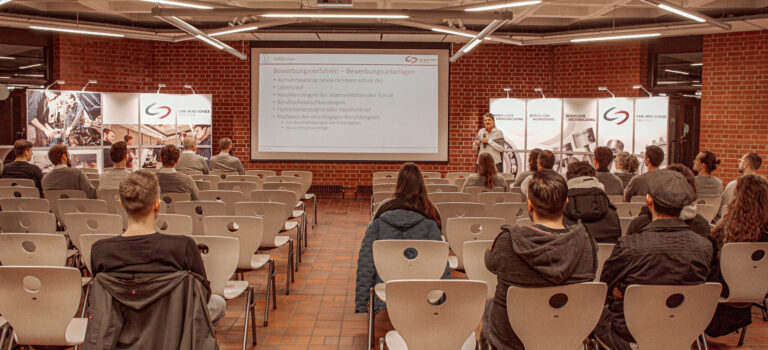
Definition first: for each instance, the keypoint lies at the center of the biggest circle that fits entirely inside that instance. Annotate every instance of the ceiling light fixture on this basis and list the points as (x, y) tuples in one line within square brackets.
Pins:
[(448, 31), (7, 58), (210, 42), (617, 37), (673, 82), (486, 7), (4, 77), (180, 3), (31, 66), (235, 30), (471, 45), (32, 75), (332, 15), (3, 2), (676, 71), (77, 31), (681, 13)]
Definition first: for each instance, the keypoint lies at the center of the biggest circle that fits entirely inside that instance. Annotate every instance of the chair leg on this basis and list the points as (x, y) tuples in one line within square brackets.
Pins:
[(270, 277), (704, 341), (741, 337), (85, 301), (299, 246), (371, 317), (274, 287), (4, 334), (10, 341), (248, 296), (304, 225), (314, 211), (252, 311)]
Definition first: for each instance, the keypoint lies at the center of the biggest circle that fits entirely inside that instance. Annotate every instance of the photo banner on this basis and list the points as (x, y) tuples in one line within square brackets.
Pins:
[(509, 114), (615, 123), (579, 130), (651, 124), (69, 117)]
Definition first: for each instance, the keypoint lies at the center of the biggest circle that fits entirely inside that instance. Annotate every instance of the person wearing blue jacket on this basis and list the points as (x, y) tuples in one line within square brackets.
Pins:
[(408, 215)]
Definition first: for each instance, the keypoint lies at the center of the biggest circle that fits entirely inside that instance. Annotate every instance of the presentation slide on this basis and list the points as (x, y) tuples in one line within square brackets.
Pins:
[(343, 104)]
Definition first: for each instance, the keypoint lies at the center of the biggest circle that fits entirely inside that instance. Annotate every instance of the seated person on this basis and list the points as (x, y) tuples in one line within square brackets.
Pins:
[(224, 161), (638, 186), (21, 168), (588, 203), (603, 160), (172, 181), (749, 164), (533, 166), (110, 178), (695, 221), (745, 221), (705, 164), (666, 252), (487, 175), (626, 167), (141, 249), (543, 255), (63, 176), (189, 160), (408, 215), (545, 161)]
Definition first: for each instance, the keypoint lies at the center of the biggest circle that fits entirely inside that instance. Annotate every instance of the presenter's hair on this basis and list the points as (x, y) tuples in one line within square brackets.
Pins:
[(20, 147), (603, 156), (489, 115), (56, 152), (189, 142), (138, 193), (655, 155), (118, 151), (169, 154), (411, 193), (577, 169), (548, 193), (627, 162), (547, 159), (533, 159), (486, 167), (225, 143)]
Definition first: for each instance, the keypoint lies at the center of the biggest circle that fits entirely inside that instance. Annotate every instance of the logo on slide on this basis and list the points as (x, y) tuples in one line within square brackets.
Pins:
[(616, 115), (155, 111), (411, 59)]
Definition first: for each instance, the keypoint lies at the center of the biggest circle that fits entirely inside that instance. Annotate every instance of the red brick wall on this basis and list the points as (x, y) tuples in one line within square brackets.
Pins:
[(734, 104), (562, 71)]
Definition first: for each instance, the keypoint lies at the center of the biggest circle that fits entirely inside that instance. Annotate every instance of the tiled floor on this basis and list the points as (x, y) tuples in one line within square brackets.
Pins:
[(319, 313)]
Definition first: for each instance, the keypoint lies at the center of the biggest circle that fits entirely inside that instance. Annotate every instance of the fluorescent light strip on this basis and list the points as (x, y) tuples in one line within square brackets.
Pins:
[(505, 5), (681, 13), (673, 82), (448, 31), (676, 71), (32, 75), (237, 30), (77, 31), (3, 2), (471, 45), (179, 3), (7, 58), (309, 15), (31, 66), (210, 42), (5, 77), (697, 64), (618, 37)]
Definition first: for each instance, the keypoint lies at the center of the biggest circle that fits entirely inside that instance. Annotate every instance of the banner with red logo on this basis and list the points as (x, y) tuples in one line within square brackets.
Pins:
[(615, 123), (651, 124), (510, 119)]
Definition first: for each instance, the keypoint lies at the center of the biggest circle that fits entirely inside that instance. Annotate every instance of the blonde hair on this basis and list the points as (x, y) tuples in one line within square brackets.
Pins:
[(139, 192), (189, 142)]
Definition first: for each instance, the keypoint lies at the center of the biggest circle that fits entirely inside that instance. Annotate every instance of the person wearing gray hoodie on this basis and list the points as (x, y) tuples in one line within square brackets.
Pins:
[(543, 255)]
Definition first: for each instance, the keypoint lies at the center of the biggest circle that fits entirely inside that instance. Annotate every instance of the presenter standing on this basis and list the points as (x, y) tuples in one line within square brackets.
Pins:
[(490, 140)]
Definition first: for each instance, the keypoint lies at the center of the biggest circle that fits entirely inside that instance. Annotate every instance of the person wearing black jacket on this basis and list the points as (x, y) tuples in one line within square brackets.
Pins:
[(665, 252), (588, 203)]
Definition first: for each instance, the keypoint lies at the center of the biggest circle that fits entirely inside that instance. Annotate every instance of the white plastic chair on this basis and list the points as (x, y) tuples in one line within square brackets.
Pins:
[(442, 188), (474, 191), (616, 198), (443, 197), (383, 188), (246, 178), (54, 196), (212, 179), (306, 179), (243, 187), (169, 198), (203, 185), (604, 251), (637, 199), (509, 211), (86, 243), (669, 317), (707, 211), (261, 173), (629, 210), (459, 210), (384, 180), (81, 205), (714, 201), (40, 304), (460, 230), (474, 265), (744, 267), (434, 315), (489, 199), (436, 181), (25, 204), (19, 192), (16, 182), (198, 210), (27, 222), (431, 174), (33, 249), (79, 224), (525, 222), (452, 177), (573, 310), (624, 223), (174, 224), (228, 197), (289, 199), (384, 174)]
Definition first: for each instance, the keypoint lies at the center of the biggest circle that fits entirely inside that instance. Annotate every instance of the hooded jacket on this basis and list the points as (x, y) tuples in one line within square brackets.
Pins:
[(149, 311), (588, 203), (392, 224), (524, 256)]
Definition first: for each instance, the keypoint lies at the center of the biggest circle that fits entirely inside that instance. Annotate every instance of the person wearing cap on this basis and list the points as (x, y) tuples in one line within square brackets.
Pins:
[(638, 186), (665, 252)]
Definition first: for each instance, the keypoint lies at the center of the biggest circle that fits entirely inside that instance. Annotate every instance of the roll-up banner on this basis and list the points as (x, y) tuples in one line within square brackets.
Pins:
[(167, 119), (615, 123), (509, 114), (651, 124), (579, 131), (544, 116)]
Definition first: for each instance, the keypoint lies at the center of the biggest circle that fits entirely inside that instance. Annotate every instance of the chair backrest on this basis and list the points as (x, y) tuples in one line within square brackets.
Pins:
[(277, 196), (223, 175), (112, 197), (474, 265), (249, 230), (745, 270), (637, 199), (295, 187), (27, 222), (451, 177), (90, 170), (628, 210), (707, 211), (203, 185), (527, 222), (168, 200), (272, 215), (191, 172), (437, 181), (212, 179), (474, 191), (240, 186), (81, 205), (55, 195), (652, 312), (460, 230), (197, 210), (261, 173), (19, 192), (460, 182), (624, 223), (572, 309), (33, 249), (489, 199), (92, 176), (39, 302), (449, 210), (377, 197), (86, 243), (305, 177), (442, 197), (16, 182), (603, 253), (219, 258), (79, 224), (384, 174), (409, 259), (383, 188), (714, 201), (435, 315), (509, 211), (25, 204), (442, 188), (174, 224), (384, 180), (431, 174), (246, 178), (616, 198), (228, 197)]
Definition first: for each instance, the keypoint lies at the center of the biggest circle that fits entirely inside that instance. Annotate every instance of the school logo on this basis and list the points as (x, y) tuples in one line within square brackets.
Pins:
[(411, 59), (153, 111), (616, 115)]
